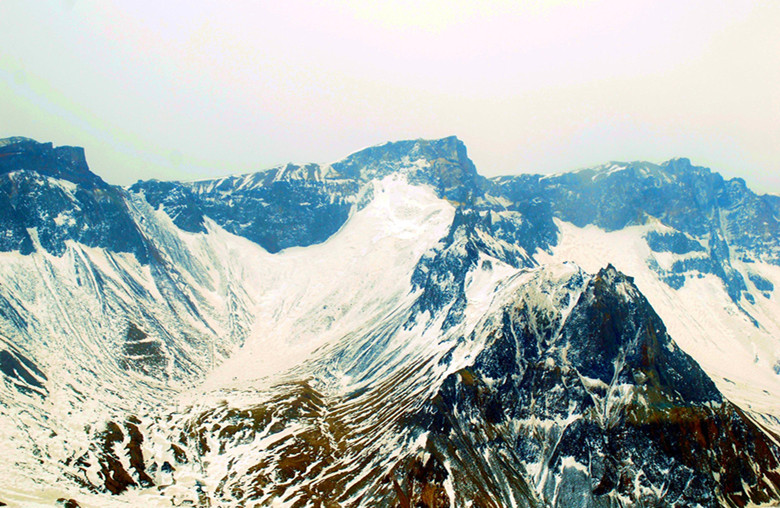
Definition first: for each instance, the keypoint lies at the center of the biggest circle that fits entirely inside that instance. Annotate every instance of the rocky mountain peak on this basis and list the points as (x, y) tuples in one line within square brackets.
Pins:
[(442, 163), (433, 353), (64, 162)]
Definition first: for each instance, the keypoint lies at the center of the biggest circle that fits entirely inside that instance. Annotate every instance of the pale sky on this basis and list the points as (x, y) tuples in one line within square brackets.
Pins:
[(190, 89)]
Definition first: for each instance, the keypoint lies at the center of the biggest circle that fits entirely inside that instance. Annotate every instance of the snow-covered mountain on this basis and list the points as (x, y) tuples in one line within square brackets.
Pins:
[(392, 329)]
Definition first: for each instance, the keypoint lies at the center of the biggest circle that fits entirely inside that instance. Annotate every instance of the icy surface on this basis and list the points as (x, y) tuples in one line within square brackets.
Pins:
[(335, 367), (700, 316), (309, 297)]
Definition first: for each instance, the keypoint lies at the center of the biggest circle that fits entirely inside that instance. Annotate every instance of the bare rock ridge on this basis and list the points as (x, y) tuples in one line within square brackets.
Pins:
[(482, 371)]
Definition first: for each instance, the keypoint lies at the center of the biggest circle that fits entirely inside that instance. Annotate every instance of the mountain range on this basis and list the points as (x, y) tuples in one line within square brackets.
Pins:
[(392, 329)]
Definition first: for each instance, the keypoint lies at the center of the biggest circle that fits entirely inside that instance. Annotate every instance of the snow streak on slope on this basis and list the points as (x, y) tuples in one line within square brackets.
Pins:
[(339, 410), (700, 316), (207, 295), (112, 337), (310, 296), (307, 439), (419, 352)]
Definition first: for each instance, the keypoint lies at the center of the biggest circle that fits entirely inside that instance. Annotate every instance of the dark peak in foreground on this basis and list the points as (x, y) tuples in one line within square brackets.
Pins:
[(541, 416), (543, 386), (613, 334), (64, 162), (597, 408)]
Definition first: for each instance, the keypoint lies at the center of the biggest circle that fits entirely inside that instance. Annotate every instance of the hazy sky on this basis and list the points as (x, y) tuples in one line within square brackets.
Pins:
[(189, 89)]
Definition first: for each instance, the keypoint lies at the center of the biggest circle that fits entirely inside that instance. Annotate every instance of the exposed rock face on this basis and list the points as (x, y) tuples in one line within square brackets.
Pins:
[(602, 408), (578, 398), (21, 371), (443, 164), (294, 206), (143, 353), (442, 273), (302, 205), (699, 205), (112, 473), (490, 378), (179, 202), (48, 196), (275, 213), (63, 162)]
